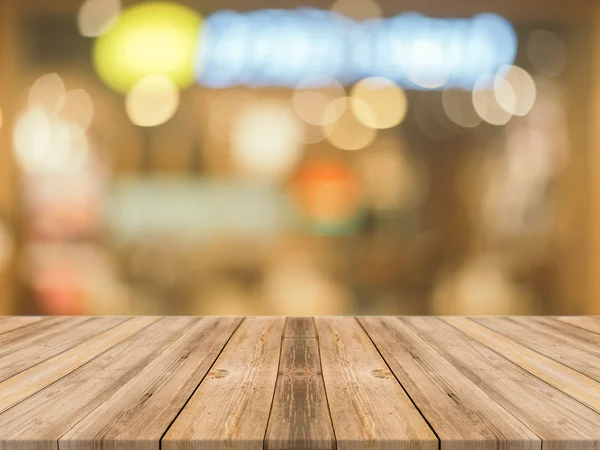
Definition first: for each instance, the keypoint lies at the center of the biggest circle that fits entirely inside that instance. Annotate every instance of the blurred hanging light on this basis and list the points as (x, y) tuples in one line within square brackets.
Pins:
[(358, 9), (485, 103), (458, 106), (277, 47), (152, 101), (346, 132), (309, 102), (47, 93), (266, 140), (546, 52), (148, 39), (427, 66), (95, 17), (378, 103), (78, 108), (515, 90)]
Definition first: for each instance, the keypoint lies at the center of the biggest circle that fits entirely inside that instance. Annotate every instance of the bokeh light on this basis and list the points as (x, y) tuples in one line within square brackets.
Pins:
[(46, 143), (310, 103), (485, 103), (78, 108), (426, 66), (48, 93), (378, 103), (152, 101), (458, 106), (515, 90), (327, 197), (95, 17), (149, 39), (342, 128), (277, 47), (546, 52), (266, 140)]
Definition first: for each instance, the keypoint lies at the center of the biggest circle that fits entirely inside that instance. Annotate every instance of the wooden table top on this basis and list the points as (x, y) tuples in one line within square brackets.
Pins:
[(300, 383)]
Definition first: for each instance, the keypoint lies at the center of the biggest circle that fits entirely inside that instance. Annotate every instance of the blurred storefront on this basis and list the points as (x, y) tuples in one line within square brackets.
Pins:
[(297, 171)]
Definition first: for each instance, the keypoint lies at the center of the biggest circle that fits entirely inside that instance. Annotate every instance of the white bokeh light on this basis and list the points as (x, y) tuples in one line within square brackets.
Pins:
[(152, 101), (95, 17), (485, 103), (342, 128), (266, 140), (515, 90), (45, 143), (78, 108), (378, 103), (48, 93)]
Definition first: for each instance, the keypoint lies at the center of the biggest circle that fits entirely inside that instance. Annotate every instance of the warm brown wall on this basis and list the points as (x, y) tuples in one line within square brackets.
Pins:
[(8, 75)]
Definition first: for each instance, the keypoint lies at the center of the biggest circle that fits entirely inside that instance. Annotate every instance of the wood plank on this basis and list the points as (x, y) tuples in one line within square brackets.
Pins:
[(578, 336), (300, 415), (23, 336), (569, 381), (60, 339), (587, 323), (301, 327), (28, 382), (138, 414), (369, 409), (39, 421), (562, 422), (12, 323), (230, 409), (546, 340), (463, 416)]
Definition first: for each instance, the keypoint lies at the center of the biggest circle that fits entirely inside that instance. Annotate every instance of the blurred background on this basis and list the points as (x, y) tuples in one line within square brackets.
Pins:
[(299, 157)]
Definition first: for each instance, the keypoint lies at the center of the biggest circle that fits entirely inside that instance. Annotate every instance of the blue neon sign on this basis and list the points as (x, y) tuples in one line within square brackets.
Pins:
[(288, 47)]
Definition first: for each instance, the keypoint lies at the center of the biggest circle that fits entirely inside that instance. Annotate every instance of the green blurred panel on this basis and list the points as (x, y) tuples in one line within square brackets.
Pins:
[(194, 209)]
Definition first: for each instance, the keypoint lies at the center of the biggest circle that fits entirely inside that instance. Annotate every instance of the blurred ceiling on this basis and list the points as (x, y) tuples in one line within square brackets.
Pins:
[(515, 10)]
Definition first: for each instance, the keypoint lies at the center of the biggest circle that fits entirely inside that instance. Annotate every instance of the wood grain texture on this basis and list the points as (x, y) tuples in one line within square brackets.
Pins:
[(230, 410), (587, 323), (463, 416), (561, 421), (56, 340), (39, 421), (23, 336), (369, 409), (271, 383), (300, 414), (12, 323), (138, 414), (555, 342), (300, 327), (562, 377), (580, 337), (28, 382)]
